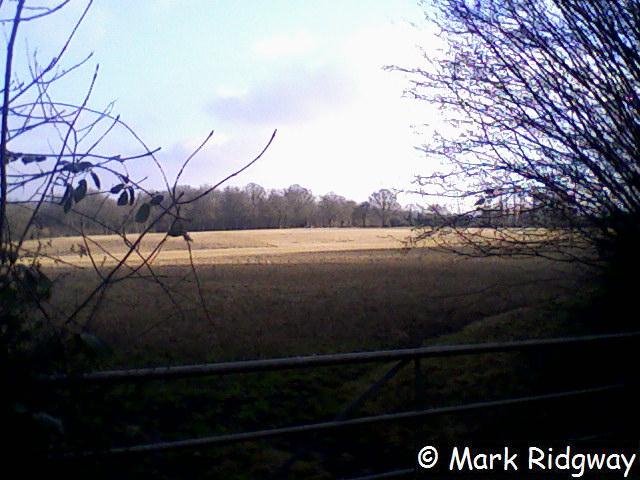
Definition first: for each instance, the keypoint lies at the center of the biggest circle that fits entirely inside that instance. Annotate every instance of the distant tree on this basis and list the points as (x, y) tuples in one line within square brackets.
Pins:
[(276, 210), (256, 196), (384, 203), (346, 218), (300, 204), (332, 210), (361, 213), (414, 214), (234, 208)]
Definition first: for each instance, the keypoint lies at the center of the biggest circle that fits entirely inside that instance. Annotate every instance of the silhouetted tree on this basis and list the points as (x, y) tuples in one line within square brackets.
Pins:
[(542, 98)]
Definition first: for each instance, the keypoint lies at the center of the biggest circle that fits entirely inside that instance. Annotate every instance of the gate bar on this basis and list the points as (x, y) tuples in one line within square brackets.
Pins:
[(274, 364), (331, 425)]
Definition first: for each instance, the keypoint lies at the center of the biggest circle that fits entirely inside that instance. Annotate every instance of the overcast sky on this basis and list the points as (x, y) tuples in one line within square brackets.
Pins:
[(178, 69)]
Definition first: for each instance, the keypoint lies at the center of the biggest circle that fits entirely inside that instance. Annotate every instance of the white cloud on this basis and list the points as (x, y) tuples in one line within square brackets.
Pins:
[(343, 124), (295, 94), (230, 92), (285, 45)]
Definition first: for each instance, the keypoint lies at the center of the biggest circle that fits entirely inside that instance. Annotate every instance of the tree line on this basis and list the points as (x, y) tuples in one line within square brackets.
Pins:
[(254, 207), (232, 208)]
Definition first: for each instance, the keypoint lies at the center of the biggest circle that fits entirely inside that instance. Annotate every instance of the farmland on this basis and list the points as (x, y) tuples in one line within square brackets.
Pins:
[(282, 292), (307, 291)]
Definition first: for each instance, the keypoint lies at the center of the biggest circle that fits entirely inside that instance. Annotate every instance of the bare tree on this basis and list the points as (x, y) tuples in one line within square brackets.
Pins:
[(300, 205), (334, 210), (542, 100), (361, 213), (257, 197), (384, 203)]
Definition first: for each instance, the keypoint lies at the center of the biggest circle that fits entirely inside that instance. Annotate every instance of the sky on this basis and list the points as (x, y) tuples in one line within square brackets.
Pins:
[(178, 69)]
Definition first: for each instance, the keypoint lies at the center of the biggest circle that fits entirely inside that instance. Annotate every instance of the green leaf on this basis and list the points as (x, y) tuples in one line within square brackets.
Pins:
[(143, 213), (123, 199), (96, 180), (80, 191), (117, 188), (157, 199)]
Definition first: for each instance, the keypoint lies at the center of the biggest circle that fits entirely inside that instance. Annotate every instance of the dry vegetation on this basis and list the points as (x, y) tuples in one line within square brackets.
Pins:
[(283, 292)]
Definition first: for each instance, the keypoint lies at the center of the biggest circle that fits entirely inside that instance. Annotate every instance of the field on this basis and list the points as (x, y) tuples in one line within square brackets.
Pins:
[(247, 246), (307, 291), (282, 292)]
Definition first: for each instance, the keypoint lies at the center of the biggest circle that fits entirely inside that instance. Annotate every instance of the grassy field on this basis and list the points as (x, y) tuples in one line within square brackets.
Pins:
[(282, 292)]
